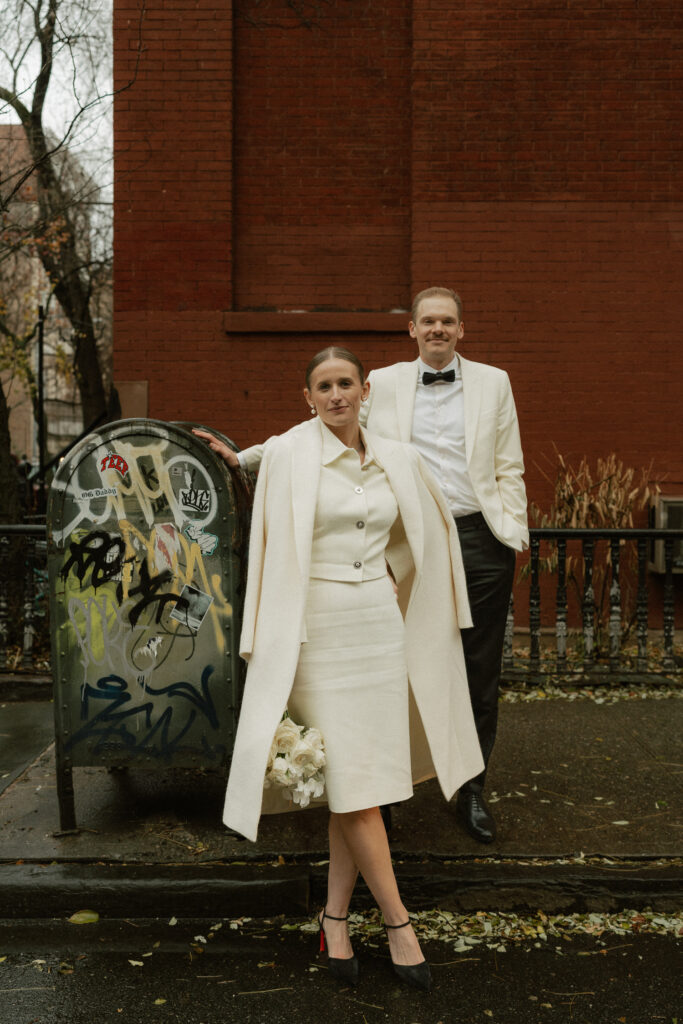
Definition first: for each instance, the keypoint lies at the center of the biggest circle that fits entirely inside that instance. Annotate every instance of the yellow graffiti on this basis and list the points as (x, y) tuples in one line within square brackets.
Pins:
[(93, 616), (193, 559)]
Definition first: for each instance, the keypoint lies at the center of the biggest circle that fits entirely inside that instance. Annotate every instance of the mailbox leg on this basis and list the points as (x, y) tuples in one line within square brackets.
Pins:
[(65, 795)]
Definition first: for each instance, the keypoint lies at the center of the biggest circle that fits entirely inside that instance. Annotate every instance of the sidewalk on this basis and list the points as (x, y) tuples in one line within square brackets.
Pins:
[(587, 798)]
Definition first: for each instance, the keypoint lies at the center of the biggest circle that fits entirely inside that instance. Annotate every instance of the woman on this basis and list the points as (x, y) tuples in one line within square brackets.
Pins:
[(335, 510)]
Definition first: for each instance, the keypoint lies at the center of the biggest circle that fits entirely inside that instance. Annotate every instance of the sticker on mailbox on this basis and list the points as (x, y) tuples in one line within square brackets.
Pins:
[(192, 607)]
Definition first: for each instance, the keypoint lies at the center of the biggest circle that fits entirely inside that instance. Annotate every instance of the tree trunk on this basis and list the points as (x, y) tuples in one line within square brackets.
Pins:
[(9, 480), (68, 270)]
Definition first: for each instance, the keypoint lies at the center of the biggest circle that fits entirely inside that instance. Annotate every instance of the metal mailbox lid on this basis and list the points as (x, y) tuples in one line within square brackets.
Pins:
[(145, 599)]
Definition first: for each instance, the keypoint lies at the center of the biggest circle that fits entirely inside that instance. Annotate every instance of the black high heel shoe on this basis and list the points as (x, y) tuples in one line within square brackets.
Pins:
[(416, 975), (342, 968)]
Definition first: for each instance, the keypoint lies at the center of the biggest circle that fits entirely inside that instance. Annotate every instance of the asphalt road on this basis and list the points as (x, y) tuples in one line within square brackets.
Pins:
[(144, 972)]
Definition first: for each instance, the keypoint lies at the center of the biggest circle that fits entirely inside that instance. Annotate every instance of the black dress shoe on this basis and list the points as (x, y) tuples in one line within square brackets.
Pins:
[(344, 969), (473, 811), (415, 975)]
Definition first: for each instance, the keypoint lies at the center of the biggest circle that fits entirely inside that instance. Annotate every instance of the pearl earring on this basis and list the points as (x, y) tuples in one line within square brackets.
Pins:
[(312, 410)]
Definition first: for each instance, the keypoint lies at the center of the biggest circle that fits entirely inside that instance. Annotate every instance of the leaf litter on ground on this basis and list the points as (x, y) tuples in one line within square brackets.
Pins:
[(520, 694), (464, 932)]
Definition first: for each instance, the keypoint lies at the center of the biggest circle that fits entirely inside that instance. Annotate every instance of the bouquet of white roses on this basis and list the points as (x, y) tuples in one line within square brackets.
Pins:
[(295, 761)]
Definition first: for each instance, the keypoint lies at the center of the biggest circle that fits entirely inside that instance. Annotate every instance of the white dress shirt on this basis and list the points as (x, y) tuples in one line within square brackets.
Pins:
[(439, 436), (355, 511)]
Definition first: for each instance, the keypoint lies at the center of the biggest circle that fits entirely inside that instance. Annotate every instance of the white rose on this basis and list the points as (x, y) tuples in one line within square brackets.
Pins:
[(279, 774), (315, 740), (302, 755), (314, 737), (286, 735), (318, 759)]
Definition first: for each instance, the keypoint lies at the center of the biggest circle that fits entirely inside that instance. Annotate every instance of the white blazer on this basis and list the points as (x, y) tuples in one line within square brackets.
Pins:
[(424, 554), (492, 442)]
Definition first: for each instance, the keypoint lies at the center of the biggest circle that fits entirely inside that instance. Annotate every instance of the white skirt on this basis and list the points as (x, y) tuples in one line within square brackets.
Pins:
[(352, 684)]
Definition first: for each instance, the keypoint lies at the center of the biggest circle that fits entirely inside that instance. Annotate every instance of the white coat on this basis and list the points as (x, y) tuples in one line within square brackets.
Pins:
[(424, 554), (492, 443)]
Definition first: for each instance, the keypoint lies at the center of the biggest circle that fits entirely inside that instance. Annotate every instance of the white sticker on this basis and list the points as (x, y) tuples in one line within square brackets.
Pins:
[(98, 492), (195, 604)]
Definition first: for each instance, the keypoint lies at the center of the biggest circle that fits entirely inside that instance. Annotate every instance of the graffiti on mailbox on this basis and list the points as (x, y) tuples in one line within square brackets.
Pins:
[(143, 583), (115, 719)]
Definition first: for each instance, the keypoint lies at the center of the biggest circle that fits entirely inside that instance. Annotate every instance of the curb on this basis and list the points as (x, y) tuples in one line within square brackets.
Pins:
[(17, 688), (200, 891)]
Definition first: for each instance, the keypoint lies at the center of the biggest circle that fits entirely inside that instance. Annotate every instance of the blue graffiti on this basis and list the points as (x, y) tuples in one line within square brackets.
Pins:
[(111, 726)]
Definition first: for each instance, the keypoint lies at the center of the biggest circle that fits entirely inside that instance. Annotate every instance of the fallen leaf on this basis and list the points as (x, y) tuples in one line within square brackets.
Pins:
[(136, 963), (159, 1002), (84, 917)]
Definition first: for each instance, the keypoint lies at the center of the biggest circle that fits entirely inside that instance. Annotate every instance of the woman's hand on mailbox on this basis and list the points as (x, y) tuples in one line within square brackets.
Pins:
[(222, 449)]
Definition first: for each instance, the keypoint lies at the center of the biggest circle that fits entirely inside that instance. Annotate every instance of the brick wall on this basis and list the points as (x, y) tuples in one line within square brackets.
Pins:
[(173, 163), (322, 158), (528, 155)]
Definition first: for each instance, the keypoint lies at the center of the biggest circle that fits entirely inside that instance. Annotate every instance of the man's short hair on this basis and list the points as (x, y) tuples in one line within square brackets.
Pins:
[(429, 293)]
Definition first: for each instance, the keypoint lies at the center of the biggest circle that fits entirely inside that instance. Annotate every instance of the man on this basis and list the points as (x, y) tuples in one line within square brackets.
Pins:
[(461, 417)]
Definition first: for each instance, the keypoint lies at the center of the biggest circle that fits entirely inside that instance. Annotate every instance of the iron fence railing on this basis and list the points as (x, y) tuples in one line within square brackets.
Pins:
[(616, 664), (23, 592), (23, 604)]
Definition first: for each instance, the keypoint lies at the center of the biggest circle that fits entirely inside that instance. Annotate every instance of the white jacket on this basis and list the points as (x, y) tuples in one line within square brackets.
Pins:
[(492, 442), (424, 554)]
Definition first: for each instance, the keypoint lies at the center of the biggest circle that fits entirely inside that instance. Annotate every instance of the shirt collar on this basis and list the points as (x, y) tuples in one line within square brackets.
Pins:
[(453, 365), (333, 448)]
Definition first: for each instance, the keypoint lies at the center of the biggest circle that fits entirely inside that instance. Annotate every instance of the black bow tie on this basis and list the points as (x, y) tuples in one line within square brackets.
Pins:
[(431, 378)]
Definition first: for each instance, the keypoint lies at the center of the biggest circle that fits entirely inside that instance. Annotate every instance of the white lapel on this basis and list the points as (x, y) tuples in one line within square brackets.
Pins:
[(471, 388), (406, 386), (402, 481), (306, 454)]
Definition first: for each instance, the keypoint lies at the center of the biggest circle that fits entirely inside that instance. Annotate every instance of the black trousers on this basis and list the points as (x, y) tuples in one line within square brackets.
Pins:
[(489, 570)]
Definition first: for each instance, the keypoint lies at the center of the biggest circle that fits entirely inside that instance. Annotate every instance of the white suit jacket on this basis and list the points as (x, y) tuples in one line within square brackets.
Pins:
[(492, 442), (425, 557)]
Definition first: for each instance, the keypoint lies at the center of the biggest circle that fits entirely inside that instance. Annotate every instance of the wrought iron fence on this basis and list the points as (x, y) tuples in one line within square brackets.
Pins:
[(586, 665), (23, 605), (23, 595)]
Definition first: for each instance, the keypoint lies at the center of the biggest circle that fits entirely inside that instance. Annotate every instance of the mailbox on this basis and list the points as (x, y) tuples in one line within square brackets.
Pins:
[(146, 542)]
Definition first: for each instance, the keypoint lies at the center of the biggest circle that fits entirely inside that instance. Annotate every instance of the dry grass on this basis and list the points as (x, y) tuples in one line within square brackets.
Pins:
[(605, 496)]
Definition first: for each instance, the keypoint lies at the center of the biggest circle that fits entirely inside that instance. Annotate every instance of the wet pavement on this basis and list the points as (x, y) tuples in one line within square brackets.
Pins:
[(269, 972), (25, 731), (587, 798)]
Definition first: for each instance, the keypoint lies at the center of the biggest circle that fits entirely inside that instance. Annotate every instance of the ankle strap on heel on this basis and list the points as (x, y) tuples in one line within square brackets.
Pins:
[(404, 925), (331, 918)]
